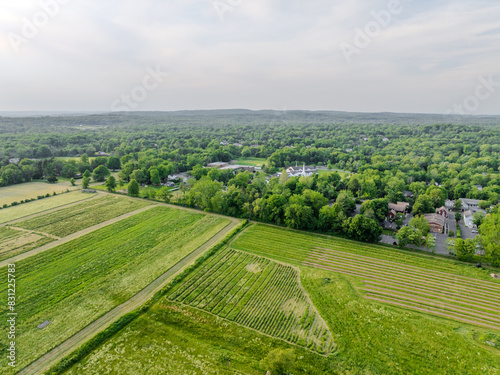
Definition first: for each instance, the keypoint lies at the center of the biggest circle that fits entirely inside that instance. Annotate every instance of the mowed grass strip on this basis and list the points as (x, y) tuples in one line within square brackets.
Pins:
[(425, 292), (256, 293), (73, 284), (394, 273), (35, 207), (293, 246), (468, 309), (384, 338), (86, 214), (14, 242), (30, 190), (434, 311), (370, 272), (453, 307), (437, 275)]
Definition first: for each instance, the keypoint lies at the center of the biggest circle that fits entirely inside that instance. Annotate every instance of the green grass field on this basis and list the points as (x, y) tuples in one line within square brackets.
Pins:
[(183, 332), (41, 205), (294, 247), (29, 190), (15, 242), (431, 285), (83, 215), (259, 294), (73, 284), (252, 162), (176, 339), (394, 300)]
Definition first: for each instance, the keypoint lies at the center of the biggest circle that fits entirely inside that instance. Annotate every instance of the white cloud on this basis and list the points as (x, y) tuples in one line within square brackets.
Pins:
[(263, 54)]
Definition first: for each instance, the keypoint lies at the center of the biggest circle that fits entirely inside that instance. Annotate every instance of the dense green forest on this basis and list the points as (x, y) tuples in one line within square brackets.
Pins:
[(386, 154)]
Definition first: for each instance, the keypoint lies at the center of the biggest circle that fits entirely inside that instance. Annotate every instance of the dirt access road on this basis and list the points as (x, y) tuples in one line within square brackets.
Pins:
[(59, 352)]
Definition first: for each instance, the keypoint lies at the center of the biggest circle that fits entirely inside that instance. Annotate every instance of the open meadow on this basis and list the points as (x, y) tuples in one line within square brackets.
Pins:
[(41, 205), (72, 219), (177, 339), (30, 190), (332, 308), (198, 327), (16, 242), (251, 162), (74, 283)]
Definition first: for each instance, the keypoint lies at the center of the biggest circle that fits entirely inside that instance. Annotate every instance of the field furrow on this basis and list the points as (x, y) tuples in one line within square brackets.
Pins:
[(256, 293)]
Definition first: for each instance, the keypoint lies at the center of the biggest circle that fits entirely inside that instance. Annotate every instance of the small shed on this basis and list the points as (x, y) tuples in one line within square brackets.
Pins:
[(43, 325)]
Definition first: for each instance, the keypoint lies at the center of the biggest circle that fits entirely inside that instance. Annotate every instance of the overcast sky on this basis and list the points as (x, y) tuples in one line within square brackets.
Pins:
[(419, 56)]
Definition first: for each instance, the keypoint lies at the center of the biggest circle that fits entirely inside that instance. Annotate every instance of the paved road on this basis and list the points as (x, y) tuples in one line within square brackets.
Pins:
[(466, 232), (75, 341)]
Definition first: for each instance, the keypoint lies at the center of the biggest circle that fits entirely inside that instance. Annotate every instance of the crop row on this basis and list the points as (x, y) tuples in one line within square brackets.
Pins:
[(74, 283), (294, 246), (433, 292), (83, 215), (256, 293)]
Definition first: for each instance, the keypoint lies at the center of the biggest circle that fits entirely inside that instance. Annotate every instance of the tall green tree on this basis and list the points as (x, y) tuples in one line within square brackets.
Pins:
[(111, 184), (133, 188), (490, 236), (85, 182), (100, 173), (155, 176)]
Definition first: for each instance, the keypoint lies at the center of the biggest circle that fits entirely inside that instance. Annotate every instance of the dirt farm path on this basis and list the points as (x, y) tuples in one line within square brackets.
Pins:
[(59, 352), (35, 232), (71, 237)]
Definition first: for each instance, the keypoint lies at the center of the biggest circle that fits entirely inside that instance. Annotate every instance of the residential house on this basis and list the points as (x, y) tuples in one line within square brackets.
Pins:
[(102, 153), (442, 211), (470, 204), (14, 160), (479, 187), (399, 207), (408, 194), (436, 222)]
